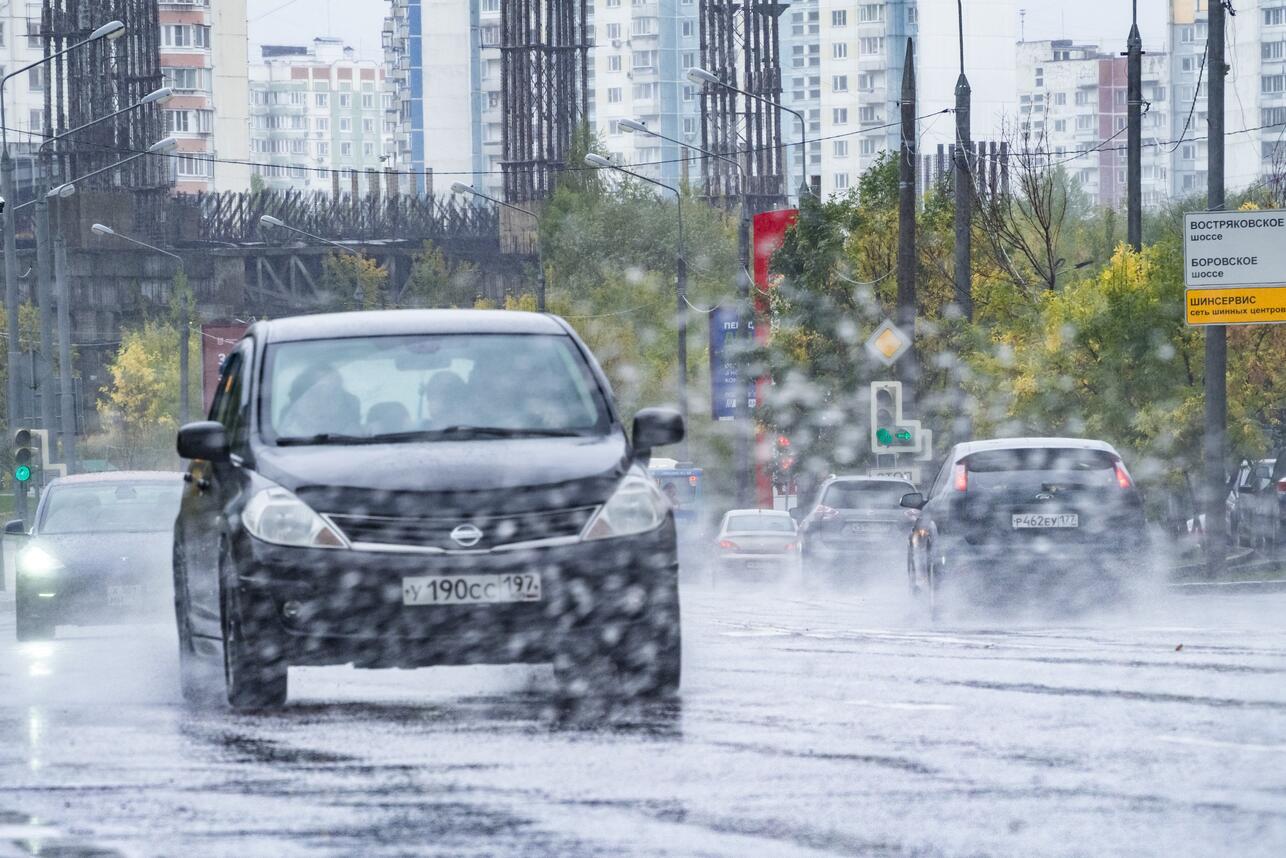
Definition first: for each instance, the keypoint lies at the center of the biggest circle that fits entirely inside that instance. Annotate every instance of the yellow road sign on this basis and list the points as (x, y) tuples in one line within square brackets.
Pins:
[(1252, 305)]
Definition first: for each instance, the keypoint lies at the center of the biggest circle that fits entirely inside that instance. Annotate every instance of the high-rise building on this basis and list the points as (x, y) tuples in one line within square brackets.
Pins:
[(316, 112), (20, 45), (1072, 110), (204, 59)]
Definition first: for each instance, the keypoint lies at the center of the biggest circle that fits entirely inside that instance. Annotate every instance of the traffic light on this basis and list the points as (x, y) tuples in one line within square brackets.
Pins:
[(890, 432), (22, 455)]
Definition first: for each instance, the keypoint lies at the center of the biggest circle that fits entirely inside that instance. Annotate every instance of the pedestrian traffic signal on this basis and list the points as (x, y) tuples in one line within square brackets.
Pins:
[(22, 455), (890, 432)]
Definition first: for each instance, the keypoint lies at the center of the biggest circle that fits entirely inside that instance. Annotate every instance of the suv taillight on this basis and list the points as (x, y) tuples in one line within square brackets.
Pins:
[(961, 478), (1281, 486), (1122, 476), (727, 545)]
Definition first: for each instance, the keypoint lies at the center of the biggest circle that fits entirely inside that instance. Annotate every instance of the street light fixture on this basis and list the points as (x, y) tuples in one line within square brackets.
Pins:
[(701, 76), (680, 283), (744, 427), (184, 324), (462, 188), (111, 31)]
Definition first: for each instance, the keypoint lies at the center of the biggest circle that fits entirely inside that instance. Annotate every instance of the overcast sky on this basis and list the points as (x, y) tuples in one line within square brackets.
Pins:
[(359, 21)]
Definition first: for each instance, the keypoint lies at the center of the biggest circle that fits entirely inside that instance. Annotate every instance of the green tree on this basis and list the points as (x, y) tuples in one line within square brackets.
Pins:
[(436, 282), (355, 282)]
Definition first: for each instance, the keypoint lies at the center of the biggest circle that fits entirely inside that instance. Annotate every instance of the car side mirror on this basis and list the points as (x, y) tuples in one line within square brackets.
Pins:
[(798, 514), (912, 500), (17, 527), (205, 440), (656, 427)]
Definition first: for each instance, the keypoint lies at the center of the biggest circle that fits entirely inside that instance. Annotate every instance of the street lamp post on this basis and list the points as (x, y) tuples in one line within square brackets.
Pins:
[(184, 323), (44, 258), (701, 76), (111, 30), (680, 283), (269, 220), (66, 396), (462, 188), (744, 429)]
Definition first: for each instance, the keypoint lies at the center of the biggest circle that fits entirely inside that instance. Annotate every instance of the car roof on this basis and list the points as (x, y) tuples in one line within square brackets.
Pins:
[(117, 477), (776, 513), (325, 326), (968, 448)]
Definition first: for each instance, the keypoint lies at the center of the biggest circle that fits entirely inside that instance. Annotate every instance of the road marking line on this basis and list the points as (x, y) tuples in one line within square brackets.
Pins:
[(1217, 743)]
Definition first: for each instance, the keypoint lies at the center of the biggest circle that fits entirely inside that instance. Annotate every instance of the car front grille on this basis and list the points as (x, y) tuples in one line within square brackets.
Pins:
[(435, 533)]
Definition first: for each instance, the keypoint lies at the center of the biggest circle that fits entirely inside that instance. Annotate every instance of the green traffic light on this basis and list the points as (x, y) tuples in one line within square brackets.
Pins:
[(885, 437), (22, 473), (904, 435)]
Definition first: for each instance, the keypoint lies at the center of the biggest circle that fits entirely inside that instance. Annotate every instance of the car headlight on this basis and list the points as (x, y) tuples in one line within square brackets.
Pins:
[(37, 562), (636, 506), (275, 515)]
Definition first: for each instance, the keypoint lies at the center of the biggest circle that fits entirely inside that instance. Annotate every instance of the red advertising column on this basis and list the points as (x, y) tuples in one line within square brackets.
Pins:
[(769, 234), (217, 340)]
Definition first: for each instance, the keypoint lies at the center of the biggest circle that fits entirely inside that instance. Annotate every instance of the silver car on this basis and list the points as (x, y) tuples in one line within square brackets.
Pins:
[(759, 542)]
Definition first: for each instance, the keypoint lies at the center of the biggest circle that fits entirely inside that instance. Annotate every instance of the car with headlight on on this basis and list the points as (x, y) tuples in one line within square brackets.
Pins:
[(424, 487), (98, 552), (1015, 516), (756, 543)]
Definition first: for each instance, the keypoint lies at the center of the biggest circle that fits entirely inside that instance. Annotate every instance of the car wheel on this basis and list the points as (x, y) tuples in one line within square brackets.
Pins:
[(254, 666), (31, 625)]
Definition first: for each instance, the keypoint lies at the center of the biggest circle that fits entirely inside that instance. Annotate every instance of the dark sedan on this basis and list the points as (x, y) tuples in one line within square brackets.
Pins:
[(99, 551), (413, 488), (856, 521)]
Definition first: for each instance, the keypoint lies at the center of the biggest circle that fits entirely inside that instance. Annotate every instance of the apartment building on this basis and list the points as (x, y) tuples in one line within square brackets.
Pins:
[(1073, 109), (315, 111), (20, 45), (204, 59)]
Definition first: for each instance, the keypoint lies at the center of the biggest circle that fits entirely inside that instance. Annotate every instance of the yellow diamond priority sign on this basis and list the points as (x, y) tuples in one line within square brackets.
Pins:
[(888, 343)]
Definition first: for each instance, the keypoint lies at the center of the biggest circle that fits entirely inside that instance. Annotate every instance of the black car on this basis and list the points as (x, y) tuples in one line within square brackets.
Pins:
[(856, 521), (98, 553), (1028, 514), (413, 488)]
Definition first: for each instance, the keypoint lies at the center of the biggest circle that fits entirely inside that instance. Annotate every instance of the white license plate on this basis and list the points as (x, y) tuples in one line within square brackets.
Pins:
[(122, 595), (471, 589), (1026, 520)]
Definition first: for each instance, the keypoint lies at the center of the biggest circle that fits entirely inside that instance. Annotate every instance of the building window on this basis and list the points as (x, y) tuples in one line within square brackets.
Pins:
[(323, 150), (689, 125), (613, 95), (839, 18), (872, 46), (321, 99), (839, 83), (191, 165), (841, 181), (840, 148), (33, 35), (1272, 18), (642, 60), (689, 28), (1269, 83), (614, 63), (368, 149), (36, 79), (345, 100), (870, 13), (368, 101), (614, 32), (867, 146), (345, 125), (322, 124), (368, 126), (346, 150), (1060, 98), (839, 116), (839, 50), (1040, 76)]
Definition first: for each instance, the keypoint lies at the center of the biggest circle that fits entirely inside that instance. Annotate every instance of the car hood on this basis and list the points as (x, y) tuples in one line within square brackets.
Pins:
[(532, 473), (94, 552)]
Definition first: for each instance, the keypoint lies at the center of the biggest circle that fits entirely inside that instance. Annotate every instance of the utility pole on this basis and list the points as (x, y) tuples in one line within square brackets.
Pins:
[(1134, 141), (906, 222), (1216, 335), (964, 184), (11, 307)]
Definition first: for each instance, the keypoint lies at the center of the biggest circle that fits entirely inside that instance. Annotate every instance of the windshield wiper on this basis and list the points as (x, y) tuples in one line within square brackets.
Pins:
[(502, 432), (322, 438)]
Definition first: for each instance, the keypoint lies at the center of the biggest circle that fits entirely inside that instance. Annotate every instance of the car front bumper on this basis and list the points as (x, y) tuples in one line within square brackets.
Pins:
[(347, 606)]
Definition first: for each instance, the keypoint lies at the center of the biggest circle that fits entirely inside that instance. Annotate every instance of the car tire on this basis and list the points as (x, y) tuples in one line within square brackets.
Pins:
[(255, 669), (633, 666), (30, 625)]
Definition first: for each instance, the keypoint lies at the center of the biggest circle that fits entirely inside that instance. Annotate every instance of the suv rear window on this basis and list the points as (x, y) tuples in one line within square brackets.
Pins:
[(865, 494), (1049, 469)]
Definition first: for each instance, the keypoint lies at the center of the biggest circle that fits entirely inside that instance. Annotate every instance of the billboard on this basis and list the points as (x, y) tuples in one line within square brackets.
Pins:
[(723, 372), (217, 340), (769, 235)]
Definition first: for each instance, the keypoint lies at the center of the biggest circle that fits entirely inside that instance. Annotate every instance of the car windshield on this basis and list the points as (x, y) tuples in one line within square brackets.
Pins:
[(429, 387), (760, 524), (865, 494), (1030, 471), (110, 508)]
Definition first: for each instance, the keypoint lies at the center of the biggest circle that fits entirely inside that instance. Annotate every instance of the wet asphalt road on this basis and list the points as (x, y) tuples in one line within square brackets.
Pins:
[(832, 724)]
